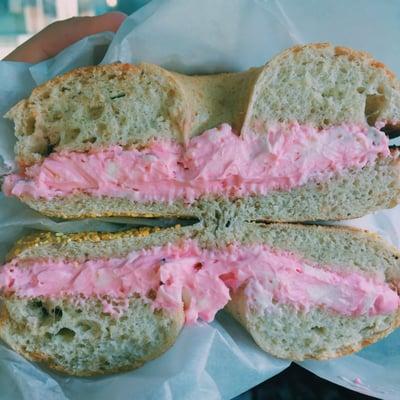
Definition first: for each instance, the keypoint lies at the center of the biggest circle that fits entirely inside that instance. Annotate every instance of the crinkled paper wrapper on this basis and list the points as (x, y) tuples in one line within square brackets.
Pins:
[(219, 360)]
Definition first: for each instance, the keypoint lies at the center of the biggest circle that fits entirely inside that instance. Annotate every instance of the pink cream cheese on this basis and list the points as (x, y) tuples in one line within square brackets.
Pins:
[(172, 277), (214, 163)]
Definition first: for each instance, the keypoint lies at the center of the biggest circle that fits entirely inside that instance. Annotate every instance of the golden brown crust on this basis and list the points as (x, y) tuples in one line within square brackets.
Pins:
[(3, 315), (43, 238), (78, 72), (363, 55), (339, 51)]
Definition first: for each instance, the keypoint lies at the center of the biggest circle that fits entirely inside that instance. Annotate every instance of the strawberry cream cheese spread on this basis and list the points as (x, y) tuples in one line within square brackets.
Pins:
[(214, 163), (200, 281)]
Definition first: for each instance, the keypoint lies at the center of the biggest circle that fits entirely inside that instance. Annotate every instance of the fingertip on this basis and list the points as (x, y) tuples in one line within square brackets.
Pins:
[(116, 13), (113, 19)]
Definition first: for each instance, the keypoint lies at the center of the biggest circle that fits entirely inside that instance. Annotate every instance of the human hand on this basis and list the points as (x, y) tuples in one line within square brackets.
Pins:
[(60, 34)]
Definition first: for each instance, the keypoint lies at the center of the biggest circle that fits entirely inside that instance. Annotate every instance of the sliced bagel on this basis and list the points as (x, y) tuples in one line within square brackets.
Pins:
[(87, 336), (302, 138), (99, 303)]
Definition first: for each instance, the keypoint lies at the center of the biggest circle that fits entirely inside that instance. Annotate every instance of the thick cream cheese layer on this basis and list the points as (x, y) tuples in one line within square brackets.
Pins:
[(218, 162), (201, 281)]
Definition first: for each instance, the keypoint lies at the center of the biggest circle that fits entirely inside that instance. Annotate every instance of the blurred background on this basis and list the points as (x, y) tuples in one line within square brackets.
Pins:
[(20, 19)]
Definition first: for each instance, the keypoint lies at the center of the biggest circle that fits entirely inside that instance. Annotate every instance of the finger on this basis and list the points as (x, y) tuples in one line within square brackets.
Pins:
[(59, 35)]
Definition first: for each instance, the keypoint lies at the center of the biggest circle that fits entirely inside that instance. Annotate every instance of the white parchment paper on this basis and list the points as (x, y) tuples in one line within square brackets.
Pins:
[(219, 360)]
